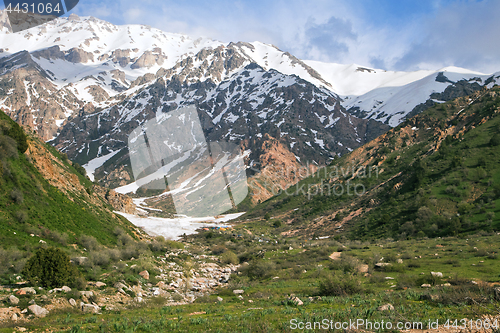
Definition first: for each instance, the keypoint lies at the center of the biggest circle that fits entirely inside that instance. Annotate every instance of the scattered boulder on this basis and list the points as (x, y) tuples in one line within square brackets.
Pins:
[(26, 291), (38, 311), (296, 300), (79, 260), (90, 308), (100, 284), (382, 264), (87, 293), (219, 299), (426, 285), (386, 307), (399, 261), (144, 274), (13, 300), (66, 289), (120, 285), (238, 291), (72, 302), (138, 299), (437, 274), (14, 317)]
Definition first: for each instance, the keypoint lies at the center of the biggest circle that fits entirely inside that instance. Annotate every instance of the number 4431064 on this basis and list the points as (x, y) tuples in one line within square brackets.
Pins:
[(471, 324), (40, 8)]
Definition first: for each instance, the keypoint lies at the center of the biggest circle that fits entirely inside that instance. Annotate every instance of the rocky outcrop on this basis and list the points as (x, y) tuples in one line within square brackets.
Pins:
[(118, 201), (149, 59), (53, 52), (61, 177), (122, 57), (99, 94), (77, 55)]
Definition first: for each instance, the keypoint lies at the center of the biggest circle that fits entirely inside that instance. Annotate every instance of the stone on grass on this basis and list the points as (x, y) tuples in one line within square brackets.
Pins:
[(219, 299), (120, 285), (382, 264), (386, 307), (13, 300), (238, 291), (437, 274), (26, 291), (72, 302), (100, 284), (426, 285), (296, 300), (144, 274), (90, 308), (38, 311)]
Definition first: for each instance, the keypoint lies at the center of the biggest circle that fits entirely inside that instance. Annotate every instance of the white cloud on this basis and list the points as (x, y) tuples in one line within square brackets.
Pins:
[(463, 33)]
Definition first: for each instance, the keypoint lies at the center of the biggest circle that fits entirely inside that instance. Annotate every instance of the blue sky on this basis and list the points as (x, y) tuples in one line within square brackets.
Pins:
[(388, 34)]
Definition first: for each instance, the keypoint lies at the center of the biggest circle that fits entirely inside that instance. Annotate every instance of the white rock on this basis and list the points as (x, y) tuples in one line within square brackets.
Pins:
[(13, 300), (72, 302), (437, 274), (38, 311), (386, 307), (90, 308)]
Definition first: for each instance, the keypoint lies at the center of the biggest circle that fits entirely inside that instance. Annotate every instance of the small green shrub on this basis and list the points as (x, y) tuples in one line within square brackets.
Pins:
[(495, 140), (259, 269), (218, 249), (51, 268), (342, 285), (229, 257)]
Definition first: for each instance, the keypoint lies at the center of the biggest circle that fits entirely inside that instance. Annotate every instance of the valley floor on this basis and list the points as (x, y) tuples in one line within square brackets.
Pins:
[(282, 285)]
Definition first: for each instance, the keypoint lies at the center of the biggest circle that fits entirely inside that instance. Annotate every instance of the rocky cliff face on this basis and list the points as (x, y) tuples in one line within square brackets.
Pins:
[(67, 182)]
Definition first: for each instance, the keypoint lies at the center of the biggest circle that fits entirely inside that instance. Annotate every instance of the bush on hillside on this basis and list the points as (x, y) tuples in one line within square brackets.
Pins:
[(50, 268), (340, 286), (495, 140)]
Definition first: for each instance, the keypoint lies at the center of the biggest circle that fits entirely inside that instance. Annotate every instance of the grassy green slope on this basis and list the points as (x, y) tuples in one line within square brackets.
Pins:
[(437, 174), (29, 204)]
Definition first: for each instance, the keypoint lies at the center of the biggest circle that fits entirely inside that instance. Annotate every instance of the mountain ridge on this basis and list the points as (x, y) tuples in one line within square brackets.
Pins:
[(84, 84)]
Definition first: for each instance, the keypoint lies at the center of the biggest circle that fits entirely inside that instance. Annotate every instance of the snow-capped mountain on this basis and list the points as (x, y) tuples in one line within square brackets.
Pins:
[(85, 84), (390, 96)]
